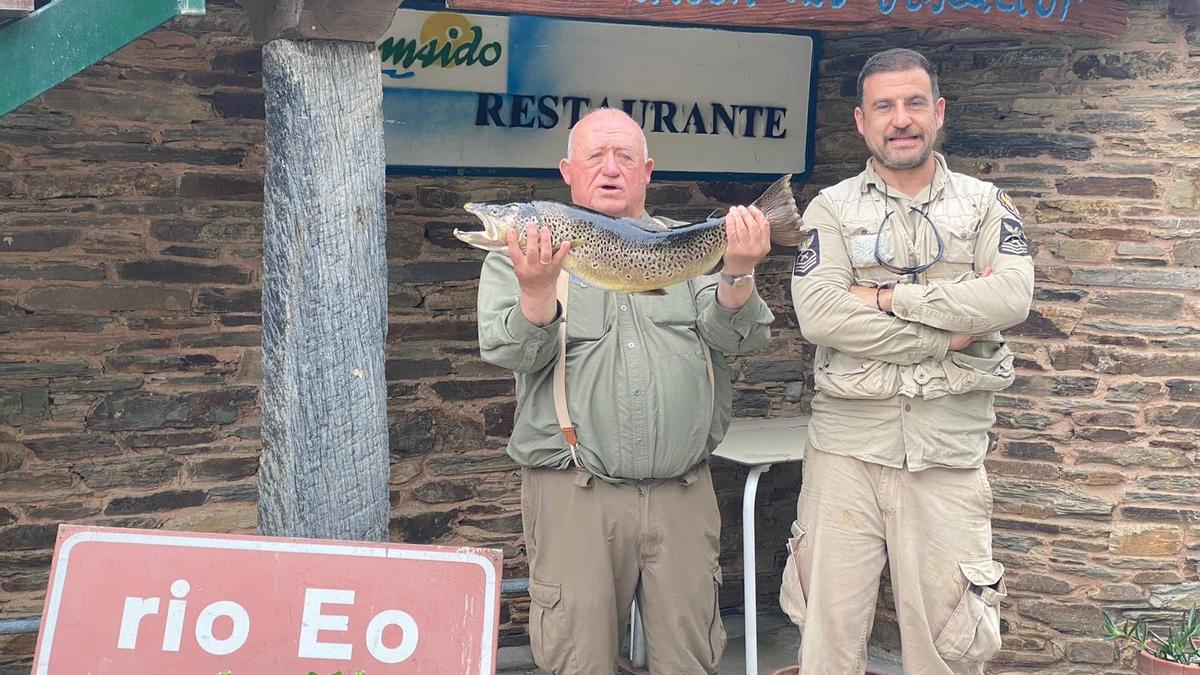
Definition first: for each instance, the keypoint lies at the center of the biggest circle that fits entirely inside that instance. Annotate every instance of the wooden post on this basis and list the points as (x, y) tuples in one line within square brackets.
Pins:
[(324, 467)]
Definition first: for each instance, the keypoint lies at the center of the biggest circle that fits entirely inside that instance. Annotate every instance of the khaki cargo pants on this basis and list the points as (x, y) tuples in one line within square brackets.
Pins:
[(592, 545), (932, 527)]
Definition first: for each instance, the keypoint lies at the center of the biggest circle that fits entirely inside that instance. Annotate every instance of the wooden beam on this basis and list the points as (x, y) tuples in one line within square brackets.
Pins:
[(350, 20), (324, 465), (1097, 17), (11, 8)]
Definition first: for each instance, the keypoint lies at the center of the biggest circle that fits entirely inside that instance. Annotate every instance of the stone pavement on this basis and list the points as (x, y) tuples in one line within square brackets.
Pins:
[(778, 641)]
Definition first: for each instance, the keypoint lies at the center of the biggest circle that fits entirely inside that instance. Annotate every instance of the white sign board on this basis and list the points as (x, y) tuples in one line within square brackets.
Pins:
[(473, 93)]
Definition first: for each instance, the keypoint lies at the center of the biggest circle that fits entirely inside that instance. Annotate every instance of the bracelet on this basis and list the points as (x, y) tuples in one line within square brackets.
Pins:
[(877, 305)]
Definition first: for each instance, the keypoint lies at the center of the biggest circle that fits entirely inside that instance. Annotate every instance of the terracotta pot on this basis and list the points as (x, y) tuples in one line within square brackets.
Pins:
[(795, 670), (1149, 665)]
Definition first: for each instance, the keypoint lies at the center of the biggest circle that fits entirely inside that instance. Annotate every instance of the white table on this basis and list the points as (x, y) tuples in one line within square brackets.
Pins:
[(759, 444)]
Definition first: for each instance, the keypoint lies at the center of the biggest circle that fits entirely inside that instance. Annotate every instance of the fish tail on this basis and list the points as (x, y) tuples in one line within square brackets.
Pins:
[(778, 204)]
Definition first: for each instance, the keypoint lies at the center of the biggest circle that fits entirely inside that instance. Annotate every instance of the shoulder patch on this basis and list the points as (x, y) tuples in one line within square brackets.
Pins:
[(1012, 237), (1007, 203), (809, 257)]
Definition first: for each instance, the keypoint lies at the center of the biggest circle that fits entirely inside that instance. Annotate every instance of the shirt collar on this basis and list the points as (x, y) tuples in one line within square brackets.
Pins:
[(941, 173)]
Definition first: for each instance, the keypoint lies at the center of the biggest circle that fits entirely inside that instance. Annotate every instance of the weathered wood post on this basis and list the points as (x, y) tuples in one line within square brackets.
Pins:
[(324, 466)]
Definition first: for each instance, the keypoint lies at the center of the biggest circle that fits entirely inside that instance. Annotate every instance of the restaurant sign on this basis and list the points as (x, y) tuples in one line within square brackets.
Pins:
[(472, 93)]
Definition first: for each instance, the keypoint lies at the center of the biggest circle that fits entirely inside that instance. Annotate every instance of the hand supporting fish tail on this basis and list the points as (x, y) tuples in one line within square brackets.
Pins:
[(747, 241)]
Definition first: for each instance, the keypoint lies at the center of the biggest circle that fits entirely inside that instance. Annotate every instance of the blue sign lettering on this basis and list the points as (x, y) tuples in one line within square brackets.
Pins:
[(660, 117)]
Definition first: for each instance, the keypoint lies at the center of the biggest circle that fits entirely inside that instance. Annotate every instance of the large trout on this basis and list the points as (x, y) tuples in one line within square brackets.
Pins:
[(621, 254)]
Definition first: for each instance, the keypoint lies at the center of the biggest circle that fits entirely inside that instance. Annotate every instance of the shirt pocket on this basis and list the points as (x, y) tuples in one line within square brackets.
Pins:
[(674, 317), (845, 376), (982, 365), (960, 233), (589, 315), (863, 235)]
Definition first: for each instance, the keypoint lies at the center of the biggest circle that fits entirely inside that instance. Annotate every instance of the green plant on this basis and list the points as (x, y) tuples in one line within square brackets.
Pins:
[(1178, 645)]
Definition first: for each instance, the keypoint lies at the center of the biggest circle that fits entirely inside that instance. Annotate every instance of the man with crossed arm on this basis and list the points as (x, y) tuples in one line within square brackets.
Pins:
[(909, 273)]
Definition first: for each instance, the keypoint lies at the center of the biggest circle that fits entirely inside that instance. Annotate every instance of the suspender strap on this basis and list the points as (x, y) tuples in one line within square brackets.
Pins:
[(560, 373)]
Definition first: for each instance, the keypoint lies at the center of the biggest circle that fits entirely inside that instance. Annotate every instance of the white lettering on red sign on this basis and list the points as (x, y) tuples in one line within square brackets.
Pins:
[(315, 620)]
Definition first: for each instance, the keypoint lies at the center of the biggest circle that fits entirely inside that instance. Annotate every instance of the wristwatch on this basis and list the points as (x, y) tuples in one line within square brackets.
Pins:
[(738, 281)]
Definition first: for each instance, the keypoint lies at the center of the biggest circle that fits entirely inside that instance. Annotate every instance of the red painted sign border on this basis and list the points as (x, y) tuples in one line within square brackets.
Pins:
[(70, 537)]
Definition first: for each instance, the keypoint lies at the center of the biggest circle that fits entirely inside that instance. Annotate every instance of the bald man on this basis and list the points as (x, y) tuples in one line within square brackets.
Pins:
[(629, 508)]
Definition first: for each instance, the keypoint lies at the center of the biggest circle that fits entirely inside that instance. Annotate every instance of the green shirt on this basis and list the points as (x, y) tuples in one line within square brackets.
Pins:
[(637, 383)]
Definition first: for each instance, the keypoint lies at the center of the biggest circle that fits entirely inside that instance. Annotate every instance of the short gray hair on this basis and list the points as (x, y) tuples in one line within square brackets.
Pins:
[(598, 111), (894, 61)]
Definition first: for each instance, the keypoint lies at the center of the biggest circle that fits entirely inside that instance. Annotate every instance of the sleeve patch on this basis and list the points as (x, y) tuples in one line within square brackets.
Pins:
[(1007, 203), (1012, 237), (809, 257)]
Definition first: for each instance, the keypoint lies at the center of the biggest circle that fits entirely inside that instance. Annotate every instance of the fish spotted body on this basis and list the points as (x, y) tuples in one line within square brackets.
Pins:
[(622, 254)]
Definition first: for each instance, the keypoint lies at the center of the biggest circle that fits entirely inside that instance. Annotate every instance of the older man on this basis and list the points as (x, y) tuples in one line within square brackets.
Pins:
[(630, 508)]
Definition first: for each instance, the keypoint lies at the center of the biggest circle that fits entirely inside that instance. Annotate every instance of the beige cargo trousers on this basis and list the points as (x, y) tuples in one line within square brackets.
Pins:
[(592, 545), (933, 529)]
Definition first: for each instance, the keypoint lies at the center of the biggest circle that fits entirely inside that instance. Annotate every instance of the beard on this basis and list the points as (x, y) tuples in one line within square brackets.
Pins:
[(896, 162)]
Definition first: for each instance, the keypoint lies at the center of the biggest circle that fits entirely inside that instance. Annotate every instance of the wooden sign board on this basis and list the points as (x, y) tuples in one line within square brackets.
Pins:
[(149, 602), (498, 95), (1097, 17)]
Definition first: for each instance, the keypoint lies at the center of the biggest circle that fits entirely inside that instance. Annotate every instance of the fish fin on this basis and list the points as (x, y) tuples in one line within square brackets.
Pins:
[(652, 291), (778, 204), (634, 222), (576, 243), (713, 214)]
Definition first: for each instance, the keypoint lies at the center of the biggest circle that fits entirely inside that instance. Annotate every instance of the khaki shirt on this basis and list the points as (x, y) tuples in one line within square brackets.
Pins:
[(888, 389), (637, 381)]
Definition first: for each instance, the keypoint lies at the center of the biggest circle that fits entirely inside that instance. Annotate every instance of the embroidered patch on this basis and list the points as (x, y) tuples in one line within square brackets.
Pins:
[(1012, 237), (810, 256), (1007, 203)]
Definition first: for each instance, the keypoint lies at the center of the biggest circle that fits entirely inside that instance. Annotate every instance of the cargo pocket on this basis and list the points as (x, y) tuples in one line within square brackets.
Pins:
[(984, 365), (845, 376), (548, 629), (716, 629), (791, 592), (973, 631)]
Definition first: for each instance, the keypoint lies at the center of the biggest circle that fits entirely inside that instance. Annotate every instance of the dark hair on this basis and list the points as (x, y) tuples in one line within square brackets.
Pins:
[(893, 61)]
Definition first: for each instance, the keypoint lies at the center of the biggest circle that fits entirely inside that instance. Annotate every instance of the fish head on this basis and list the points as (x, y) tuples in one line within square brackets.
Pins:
[(497, 220)]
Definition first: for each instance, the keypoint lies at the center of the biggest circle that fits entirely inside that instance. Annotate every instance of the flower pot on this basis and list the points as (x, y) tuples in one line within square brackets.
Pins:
[(1150, 665)]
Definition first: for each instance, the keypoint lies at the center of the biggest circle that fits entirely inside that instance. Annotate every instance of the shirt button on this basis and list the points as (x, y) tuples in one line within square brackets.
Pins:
[(582, 285), (631, 345), (907, 407), (624, 308)]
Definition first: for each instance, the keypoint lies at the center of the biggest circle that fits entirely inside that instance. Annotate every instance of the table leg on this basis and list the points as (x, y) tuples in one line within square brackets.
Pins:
[(750, 604), (637, 636)]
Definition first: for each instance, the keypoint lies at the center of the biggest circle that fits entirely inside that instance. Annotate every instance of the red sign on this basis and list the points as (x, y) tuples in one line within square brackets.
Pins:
[(149, 602)]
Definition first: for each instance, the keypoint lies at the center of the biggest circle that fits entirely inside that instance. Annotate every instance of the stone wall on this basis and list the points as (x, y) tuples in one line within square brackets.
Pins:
[(130, 224)]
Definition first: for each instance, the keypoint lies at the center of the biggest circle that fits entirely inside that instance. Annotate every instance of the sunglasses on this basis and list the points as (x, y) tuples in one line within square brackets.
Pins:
[(917, 269)]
